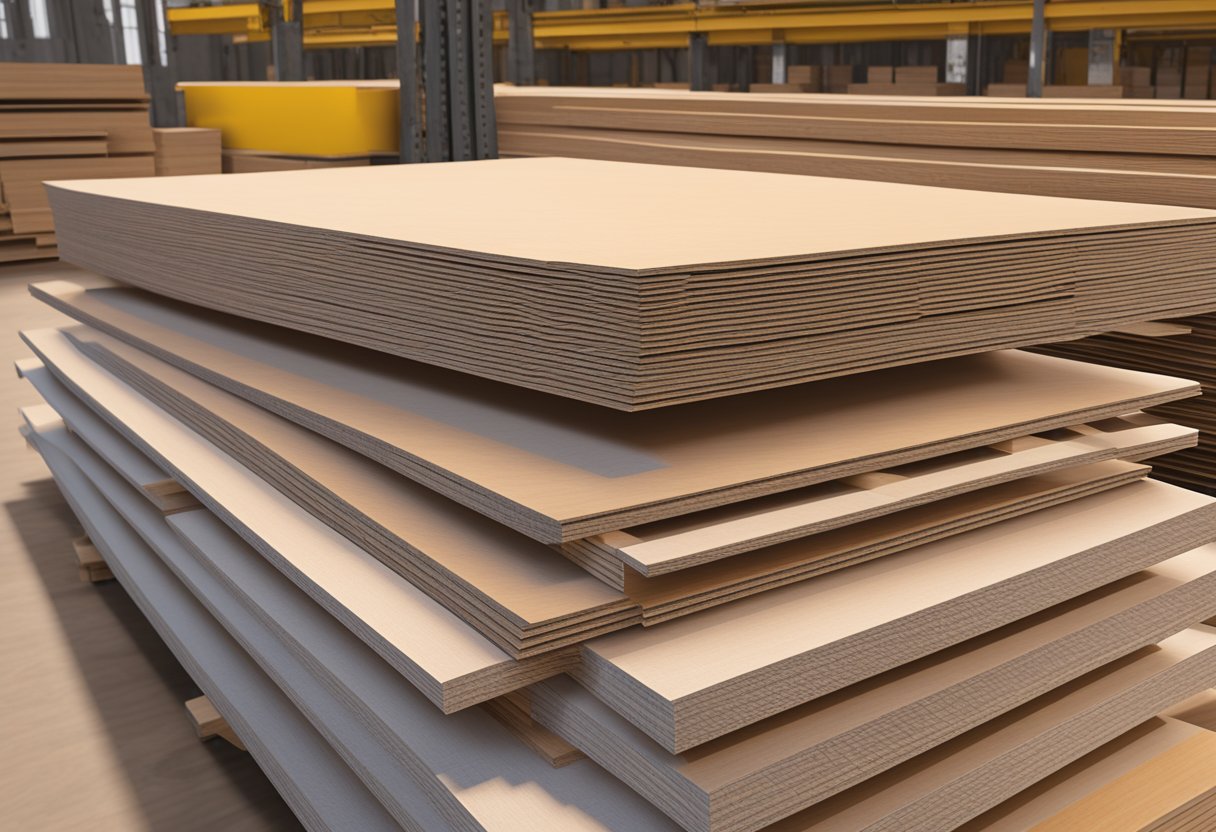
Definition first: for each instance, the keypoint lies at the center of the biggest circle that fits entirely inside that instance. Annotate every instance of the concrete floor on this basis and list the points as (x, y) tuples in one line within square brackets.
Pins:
[(93, 733)]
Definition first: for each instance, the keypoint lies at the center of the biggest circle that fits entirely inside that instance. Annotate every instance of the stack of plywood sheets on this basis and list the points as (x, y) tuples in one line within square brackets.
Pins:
[(64, 121), (1143, 151), (1101, 579), (186, 150), (1066, 151), (933, 594), (637, 303), (1190, 352)]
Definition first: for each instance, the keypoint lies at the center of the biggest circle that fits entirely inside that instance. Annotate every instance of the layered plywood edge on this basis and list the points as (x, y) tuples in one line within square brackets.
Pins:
[(63, 120), (1032, 147), (794, 759), (515, 580), (1188, 353), (1154, 778), (182, 151), (1124, 178), (934, 596), (679, 314), (448, 661), (1061, 726), (559, 471)]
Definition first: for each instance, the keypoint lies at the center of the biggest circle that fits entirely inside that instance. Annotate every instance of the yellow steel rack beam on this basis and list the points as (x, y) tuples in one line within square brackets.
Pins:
[(330, 23)]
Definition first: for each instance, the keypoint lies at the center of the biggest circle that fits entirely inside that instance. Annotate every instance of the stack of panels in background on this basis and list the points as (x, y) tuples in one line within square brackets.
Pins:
[(633, 302), (1142, 151), (913, 598), (183, 151), (77, 121)]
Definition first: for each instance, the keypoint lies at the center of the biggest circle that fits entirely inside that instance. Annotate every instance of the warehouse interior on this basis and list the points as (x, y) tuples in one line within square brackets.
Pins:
[(608, 416)]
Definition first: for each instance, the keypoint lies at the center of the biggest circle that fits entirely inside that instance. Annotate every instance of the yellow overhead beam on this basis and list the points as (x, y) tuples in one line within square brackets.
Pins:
[(755, 25), (231, 19), (333, 23)]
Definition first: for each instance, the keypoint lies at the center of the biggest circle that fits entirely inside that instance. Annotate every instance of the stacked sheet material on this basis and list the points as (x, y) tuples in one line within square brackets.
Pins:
[(1191, 352), (936, 595), (1042, 147), (1135, 151), (631, 301), (182, 151), (64, 120)]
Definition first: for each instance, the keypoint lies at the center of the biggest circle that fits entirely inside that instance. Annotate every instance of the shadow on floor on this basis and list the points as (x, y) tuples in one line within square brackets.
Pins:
[(122, 660)]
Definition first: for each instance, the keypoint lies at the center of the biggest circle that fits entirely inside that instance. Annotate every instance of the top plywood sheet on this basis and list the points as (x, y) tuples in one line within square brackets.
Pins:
[(630, 218)]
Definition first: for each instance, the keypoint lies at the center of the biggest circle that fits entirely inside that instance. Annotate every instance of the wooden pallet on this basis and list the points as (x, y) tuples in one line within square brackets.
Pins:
[(209, 723)]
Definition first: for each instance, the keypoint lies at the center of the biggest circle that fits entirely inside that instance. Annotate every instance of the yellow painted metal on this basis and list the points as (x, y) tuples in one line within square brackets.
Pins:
[(232, 19), (368, 22), (320, 119)]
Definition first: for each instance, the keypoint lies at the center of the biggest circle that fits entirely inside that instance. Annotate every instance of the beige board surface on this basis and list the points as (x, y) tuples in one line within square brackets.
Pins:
[(634, 202), (969, 775), (773, 769), (1155, 778), (560, 470), (685, 315), (453, 665), (688, 681)]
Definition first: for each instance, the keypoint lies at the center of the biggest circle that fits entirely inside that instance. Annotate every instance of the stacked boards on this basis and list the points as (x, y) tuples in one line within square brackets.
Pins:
[(1082, 148), (912, 598), (77, 121), (681, 313), (183, 151), (1186, 348), (1135, 151)]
